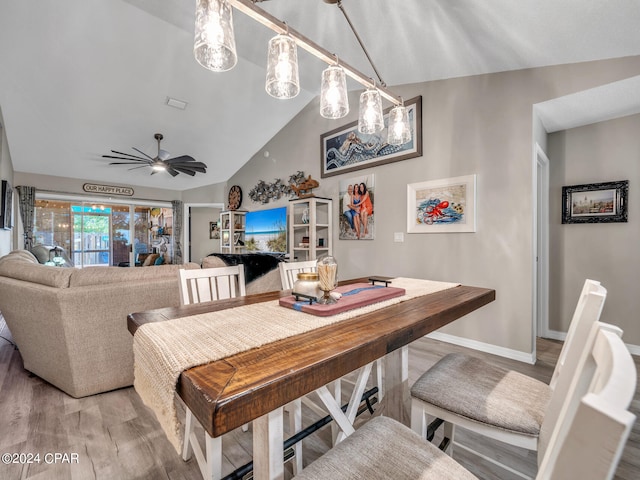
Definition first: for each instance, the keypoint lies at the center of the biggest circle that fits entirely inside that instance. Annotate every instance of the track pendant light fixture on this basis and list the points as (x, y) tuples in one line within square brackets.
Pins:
[(370, 119), (399, 130), (282, 67), (215, 45), (215, 49), (334, 100)]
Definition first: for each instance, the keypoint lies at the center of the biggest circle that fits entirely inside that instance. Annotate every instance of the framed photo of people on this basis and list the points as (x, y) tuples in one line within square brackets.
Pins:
[(345, 149), (357, 212)]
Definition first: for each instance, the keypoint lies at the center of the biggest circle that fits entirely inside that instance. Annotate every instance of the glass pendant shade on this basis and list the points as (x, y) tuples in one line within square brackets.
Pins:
[(334, 102), (370, 118), (399, 129), (282, 68), (215, 46)]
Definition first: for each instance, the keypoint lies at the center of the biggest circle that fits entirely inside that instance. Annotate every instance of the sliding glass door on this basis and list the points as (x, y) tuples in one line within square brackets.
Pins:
[(103, 234)]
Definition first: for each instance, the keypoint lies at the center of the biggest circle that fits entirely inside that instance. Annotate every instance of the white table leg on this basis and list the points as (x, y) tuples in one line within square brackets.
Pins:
[(397, 399), (268, 452)]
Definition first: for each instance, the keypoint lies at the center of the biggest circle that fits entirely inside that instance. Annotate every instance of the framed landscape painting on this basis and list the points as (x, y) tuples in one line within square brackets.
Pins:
[(442, 206), (345, 149), (595, 202)]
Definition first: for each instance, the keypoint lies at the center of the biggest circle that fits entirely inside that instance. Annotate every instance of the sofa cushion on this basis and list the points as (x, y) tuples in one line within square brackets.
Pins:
[(19, 255), (103, 275), (36, 273)]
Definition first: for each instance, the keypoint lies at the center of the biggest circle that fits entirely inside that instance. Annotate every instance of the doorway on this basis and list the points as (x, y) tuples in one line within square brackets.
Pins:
[(541, 246)]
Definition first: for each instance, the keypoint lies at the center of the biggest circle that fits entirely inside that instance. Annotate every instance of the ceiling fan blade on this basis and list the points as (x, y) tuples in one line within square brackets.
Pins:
[(135, 168), (140, 151), (129, 163), (128, 155), (181, 159), (185, 170), (127, 159), (198, 166), (172, 171)]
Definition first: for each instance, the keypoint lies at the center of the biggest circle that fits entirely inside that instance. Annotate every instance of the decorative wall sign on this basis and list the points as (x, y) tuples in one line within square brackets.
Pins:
[(346, 150), (595, 202), (107, 189), (442, 206)]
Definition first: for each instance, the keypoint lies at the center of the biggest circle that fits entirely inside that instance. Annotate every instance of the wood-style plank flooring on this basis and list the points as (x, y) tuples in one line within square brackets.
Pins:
[(116, 437)]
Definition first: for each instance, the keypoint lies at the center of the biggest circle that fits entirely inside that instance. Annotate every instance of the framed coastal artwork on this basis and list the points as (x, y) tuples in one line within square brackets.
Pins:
[(442, 206), (595, 202), (346, 150), (357, 212)]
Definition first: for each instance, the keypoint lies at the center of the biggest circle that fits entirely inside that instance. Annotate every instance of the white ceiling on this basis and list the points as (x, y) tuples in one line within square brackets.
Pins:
[(81, 77)]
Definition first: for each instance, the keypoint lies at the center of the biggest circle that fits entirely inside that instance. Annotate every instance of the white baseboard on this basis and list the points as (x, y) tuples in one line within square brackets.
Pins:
[(555, 335), (526, 357)]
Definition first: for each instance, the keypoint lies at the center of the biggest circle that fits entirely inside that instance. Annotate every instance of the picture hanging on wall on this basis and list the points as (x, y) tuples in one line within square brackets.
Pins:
[(357, 213), (442, 206), (214, 230), (595, 202), (345, 149)]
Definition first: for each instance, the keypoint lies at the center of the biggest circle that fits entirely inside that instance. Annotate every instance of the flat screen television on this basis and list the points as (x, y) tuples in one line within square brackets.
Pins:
[(266, 230)]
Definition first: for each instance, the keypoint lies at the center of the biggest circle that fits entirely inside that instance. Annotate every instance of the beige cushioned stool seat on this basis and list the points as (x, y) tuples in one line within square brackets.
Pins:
[(384, 449), (486, 393)]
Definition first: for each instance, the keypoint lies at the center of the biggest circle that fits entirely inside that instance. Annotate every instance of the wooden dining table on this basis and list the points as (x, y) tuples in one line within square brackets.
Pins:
[(254, 385)]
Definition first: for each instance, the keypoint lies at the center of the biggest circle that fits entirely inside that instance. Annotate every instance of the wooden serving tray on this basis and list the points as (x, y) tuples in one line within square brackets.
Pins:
[(355, 295)]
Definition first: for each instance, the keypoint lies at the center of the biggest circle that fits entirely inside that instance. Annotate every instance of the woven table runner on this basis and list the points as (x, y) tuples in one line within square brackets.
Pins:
[(163, 350)]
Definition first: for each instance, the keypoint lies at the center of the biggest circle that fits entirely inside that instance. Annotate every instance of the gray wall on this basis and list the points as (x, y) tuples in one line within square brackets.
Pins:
[(7, 237), (483, 125), (201, 244), (602, 152)]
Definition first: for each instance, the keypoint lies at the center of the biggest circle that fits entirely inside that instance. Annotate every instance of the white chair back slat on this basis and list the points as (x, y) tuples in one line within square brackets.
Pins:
[(587, 312), (289, 271), (590, 435), (210, 284)]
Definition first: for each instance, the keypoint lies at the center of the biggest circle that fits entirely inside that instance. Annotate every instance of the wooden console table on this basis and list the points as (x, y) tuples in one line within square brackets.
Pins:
[(256, 384)]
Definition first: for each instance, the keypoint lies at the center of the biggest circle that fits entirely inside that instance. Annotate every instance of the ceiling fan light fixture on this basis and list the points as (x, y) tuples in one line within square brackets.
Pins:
[(282, 67), (215, 45), (159, 166)]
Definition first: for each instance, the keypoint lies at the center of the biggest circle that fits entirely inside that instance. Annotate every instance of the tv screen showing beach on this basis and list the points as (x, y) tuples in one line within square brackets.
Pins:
[(266, 230)]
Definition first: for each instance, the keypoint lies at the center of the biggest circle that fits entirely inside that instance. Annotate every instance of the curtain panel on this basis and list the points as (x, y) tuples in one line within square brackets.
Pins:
[(27, 201), (177, 231)]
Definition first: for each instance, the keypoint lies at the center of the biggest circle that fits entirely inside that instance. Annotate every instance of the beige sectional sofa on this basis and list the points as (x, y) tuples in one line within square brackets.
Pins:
[(70, 324)]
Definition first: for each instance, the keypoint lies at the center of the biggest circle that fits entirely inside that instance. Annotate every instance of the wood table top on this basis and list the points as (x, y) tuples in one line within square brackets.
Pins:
[(228, 393)]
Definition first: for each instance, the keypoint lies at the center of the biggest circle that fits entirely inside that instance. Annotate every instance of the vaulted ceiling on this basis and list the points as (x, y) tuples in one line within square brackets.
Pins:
[(81, 77)]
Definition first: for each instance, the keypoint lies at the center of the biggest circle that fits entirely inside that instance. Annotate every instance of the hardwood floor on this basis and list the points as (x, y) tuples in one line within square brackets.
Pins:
[(116, 437)]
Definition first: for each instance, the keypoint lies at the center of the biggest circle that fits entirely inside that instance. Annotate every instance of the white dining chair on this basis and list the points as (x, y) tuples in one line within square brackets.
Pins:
[(210, 284), (501, 404), (196, 286), (206, 285), (584, 441), (289, 271)]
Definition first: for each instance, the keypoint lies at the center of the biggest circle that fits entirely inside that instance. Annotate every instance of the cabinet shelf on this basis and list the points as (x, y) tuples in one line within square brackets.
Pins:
[(316, 228), (232, 233)]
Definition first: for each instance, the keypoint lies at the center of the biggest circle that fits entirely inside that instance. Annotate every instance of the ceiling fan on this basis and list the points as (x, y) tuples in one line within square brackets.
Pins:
[(162, 162)]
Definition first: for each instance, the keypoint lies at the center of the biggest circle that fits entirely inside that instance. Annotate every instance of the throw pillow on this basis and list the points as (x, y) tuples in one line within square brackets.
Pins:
[(159, 260), (150, 260)]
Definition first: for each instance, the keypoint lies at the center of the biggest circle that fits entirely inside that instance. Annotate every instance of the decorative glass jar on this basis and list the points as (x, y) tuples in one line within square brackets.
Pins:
[(327, 278)]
